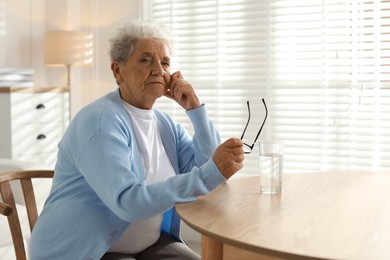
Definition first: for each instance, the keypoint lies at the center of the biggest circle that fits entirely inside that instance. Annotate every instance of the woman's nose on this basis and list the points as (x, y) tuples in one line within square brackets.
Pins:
[(158, 70)]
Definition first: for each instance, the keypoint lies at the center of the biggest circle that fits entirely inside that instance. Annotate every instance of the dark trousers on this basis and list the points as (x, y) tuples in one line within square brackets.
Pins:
[(166, 247)]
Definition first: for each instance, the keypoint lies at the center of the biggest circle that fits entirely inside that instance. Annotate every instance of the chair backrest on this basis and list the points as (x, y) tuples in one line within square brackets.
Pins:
[(8, 206)]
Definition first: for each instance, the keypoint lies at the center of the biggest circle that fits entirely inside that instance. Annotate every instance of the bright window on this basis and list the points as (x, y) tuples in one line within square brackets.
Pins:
[(323, 67)]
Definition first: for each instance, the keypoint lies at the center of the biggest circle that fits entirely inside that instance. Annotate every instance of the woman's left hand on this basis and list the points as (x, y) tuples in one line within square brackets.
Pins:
[(181, 91)]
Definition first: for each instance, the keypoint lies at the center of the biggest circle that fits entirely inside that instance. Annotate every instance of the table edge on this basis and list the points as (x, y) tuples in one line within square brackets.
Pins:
[(255, 249)]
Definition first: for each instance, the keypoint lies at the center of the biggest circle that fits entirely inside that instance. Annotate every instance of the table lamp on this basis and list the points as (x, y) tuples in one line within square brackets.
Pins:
[(68, 48)]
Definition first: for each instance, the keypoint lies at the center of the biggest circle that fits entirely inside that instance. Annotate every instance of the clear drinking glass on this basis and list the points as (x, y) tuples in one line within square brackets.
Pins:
[(271, 166)]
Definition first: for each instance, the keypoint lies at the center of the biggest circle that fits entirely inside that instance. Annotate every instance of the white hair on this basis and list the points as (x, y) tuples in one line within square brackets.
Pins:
[(122, 44)]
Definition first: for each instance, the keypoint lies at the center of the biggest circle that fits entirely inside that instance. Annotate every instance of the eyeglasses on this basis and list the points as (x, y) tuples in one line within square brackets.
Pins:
[(248, 148)]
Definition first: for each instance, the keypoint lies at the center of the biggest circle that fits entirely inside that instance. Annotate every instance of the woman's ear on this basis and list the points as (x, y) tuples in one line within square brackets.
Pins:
[(116, 71)]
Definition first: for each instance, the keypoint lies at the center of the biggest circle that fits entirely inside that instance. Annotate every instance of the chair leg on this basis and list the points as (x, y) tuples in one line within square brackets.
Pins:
[(13, 220)]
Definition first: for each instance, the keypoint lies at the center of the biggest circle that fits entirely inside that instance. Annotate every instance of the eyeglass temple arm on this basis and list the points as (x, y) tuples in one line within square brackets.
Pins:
[(261, 128), (247, 122)]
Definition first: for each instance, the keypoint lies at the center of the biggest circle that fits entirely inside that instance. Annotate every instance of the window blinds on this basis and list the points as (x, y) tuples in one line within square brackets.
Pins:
[(323, 67)]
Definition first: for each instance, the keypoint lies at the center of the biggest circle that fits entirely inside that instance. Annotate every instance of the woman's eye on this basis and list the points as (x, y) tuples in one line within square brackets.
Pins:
[(165, 64), (146, 60)]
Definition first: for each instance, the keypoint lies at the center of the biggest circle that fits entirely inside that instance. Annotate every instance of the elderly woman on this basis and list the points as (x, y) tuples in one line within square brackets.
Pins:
[(122, 165)]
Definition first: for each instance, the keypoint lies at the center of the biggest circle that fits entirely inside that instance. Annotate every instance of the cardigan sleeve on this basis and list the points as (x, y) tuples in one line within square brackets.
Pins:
[(112, 166), (185, 151)]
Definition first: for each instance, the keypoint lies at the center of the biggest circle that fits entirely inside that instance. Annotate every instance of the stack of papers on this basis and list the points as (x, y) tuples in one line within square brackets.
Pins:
[(10, 77)]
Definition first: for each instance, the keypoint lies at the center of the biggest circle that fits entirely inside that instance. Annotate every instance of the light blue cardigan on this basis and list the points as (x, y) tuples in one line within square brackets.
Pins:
[(98, 186)]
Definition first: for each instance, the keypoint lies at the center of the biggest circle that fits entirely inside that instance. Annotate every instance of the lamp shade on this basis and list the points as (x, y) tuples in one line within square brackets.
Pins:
[(68, 48)]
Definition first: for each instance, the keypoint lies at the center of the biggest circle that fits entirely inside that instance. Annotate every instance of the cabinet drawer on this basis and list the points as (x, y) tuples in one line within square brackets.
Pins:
[(36, 138), (37, 107)]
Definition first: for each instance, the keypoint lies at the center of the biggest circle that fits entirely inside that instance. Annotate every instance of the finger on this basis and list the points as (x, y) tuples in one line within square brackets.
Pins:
[(233, 142), (239, 166), (167, 78), (186, 88), (168, 94), (240, 158), (237, 150), (180, 88), (177, 75), (173, 86), (181, 91)]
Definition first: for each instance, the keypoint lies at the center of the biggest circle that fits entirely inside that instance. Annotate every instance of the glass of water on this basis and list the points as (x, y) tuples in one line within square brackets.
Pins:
[(271, 166)]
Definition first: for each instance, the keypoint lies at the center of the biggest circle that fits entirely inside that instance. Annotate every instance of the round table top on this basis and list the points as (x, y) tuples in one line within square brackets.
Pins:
[(332, 215)]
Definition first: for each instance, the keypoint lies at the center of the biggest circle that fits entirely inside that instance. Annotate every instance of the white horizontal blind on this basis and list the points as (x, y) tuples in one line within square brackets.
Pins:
[(220, 48), (370, 81), (323, 67), (311, 61)]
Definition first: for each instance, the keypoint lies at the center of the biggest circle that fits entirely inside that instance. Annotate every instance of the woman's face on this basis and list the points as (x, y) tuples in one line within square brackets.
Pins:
[(143, 78)]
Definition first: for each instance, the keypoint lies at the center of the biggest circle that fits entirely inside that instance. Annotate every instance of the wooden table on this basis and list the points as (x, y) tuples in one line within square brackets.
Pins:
[(332, 215)]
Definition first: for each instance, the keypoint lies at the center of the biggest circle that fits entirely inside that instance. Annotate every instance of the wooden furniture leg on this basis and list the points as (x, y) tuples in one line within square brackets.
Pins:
[(211, 249)]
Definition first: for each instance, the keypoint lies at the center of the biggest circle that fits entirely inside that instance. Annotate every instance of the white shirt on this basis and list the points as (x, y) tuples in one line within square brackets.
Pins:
[(144, 233)]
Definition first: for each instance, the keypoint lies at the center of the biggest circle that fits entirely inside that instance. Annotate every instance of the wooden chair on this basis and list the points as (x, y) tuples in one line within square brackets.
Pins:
[(8, 206)]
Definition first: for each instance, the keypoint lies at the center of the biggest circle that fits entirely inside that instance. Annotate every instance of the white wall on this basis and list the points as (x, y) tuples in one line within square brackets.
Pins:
[(24, 22), (15, 33)]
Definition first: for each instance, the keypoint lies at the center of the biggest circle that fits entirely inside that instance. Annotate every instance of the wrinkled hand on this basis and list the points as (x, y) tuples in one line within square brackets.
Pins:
[(229, 157), (181, 91)]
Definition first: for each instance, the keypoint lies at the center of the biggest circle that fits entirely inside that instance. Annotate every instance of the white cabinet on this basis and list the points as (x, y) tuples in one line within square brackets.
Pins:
[(32, 121)]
